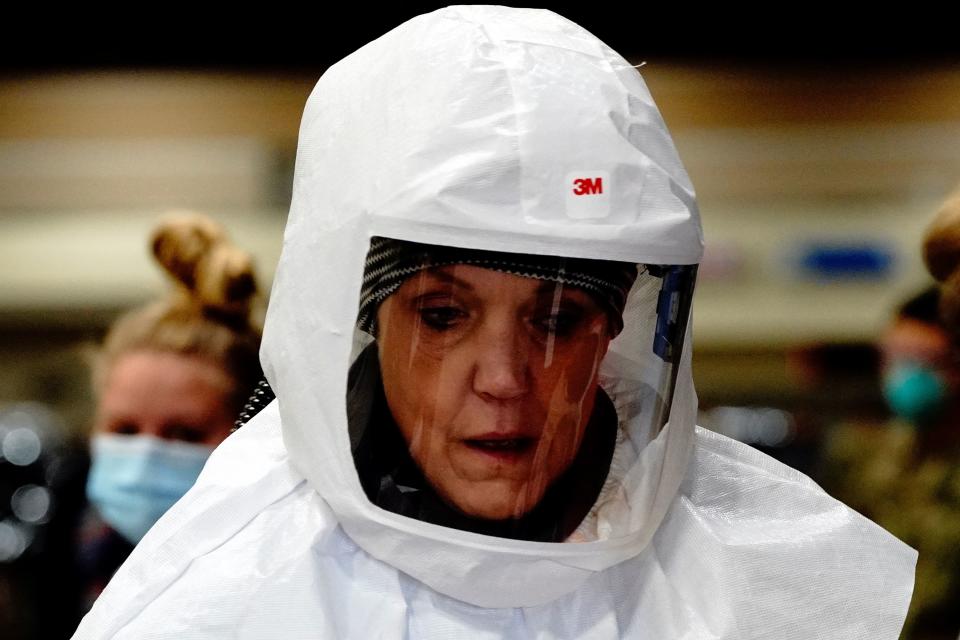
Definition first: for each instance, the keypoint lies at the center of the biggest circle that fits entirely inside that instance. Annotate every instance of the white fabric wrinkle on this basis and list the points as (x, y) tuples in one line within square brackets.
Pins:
[(686, 620)]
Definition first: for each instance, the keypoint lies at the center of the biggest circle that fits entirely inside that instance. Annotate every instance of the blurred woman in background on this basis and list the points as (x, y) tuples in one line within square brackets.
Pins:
[(170, 380)]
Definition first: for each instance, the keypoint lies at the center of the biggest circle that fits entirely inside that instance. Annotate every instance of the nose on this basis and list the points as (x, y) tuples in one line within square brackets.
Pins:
[(502, 370)]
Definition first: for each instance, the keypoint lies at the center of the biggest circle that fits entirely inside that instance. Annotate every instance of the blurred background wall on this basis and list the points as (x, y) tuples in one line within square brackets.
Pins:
[(814, 186)]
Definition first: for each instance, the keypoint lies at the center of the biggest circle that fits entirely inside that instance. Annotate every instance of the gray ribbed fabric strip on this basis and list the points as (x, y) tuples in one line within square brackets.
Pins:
[(390, 262)]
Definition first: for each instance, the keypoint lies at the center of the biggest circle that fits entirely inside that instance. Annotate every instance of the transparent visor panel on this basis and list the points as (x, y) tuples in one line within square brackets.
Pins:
[(510, 394)]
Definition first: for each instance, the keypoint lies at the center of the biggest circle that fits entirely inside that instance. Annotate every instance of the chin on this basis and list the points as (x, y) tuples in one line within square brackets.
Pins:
[(496, 505)]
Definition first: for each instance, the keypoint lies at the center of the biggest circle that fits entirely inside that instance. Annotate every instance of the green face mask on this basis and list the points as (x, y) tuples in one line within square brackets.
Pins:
[(914, 392)]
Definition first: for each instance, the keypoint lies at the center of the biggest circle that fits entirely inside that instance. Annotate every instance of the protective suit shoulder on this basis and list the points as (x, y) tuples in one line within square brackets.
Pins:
[(748, 539), (246, 479)]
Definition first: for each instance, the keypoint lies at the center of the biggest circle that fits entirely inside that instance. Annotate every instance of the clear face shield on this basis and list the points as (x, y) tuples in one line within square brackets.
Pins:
[(509, 394)]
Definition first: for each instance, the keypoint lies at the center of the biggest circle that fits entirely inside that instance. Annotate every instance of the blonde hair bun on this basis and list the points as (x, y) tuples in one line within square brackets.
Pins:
[(215, 274), (941, 253)]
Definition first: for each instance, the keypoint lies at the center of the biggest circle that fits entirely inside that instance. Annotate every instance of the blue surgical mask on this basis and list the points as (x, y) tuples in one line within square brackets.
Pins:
[(135, 479), (914, 392)]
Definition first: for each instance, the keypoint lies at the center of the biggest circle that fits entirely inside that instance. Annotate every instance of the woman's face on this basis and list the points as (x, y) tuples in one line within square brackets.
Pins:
[(491, 378), (166, 395)]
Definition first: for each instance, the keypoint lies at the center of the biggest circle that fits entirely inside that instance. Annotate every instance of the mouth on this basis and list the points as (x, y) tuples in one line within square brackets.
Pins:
[(502, 449)]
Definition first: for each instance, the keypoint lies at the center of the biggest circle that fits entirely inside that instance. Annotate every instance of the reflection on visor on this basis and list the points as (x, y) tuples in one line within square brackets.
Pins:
[(482, 396)]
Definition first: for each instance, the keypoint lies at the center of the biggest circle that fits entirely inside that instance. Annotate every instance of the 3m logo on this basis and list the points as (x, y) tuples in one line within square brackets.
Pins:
[(587, 198), (587, 186)]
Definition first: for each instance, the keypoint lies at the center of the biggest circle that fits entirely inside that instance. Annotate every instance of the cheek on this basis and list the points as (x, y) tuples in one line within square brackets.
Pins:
[(444, 400), (424, 391), (569, 389), (573, 372)]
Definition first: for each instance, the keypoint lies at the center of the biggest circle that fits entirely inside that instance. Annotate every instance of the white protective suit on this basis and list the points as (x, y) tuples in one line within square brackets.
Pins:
[(467, 127)]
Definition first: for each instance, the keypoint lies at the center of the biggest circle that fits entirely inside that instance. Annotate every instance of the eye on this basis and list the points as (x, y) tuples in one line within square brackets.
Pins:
[(123, 428), (441, 317), (558, 325), (183, 432), (561, 324)]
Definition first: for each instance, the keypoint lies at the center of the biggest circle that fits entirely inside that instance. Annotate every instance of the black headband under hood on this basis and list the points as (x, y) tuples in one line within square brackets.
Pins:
[(391, 262)]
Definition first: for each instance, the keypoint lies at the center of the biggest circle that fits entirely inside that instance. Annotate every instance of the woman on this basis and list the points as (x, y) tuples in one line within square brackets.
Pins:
[(484, 423), (170, 379), (479, 405)]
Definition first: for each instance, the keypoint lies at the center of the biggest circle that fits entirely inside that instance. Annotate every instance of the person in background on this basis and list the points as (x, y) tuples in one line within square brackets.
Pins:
[(903, 473), (170, 379)]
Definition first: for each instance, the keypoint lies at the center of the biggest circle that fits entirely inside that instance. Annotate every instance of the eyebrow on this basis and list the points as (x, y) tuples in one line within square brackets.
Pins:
[(546, 287), (549, 286), (448, 278)]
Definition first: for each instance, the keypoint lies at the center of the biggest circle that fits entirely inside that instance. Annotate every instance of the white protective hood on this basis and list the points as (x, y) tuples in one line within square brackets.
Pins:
[(470, 136), (466, 128)]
